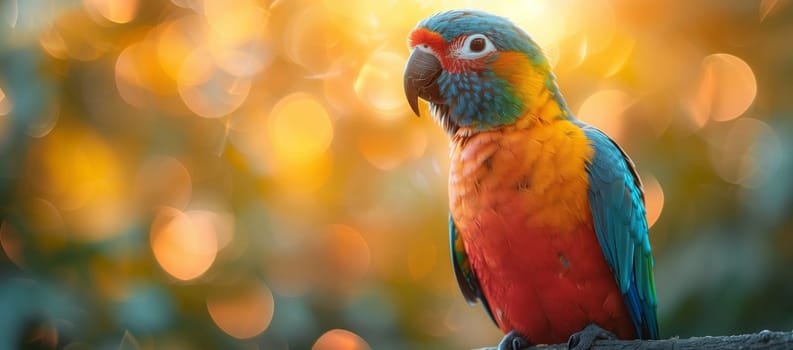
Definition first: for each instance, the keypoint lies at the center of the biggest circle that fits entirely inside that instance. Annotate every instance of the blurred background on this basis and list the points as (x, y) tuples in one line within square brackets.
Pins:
[(246, 174)]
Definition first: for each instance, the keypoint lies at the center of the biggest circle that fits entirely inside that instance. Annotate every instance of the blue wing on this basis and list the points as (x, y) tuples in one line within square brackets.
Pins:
[(463, 271), (618, 213)]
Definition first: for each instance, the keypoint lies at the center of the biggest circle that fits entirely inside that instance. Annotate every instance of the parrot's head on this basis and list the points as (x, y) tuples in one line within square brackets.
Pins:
[(478, 71)]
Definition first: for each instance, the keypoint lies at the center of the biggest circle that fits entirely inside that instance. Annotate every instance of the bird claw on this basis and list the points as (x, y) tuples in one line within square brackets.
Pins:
[(585, 339), (513, 341)]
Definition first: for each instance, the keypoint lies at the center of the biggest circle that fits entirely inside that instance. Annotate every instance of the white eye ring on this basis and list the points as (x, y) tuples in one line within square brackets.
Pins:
[(424, 47), (472, 47)]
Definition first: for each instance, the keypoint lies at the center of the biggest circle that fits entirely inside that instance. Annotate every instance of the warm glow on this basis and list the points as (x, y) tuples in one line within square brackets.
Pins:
[(176, 40), (163, 180), (376, 86), (243, 313), (118, 11), (604, 109), (139, 77), (299, 128), (726, 88), (422, 258), (618, 54), (52, 42), (220, 224), (237, 35), (303, 178), (75, 35), (83, 177), (208, 90), (344, 255), (768, 6), (339, 339), (305, 38), (653, 198), (386, 148), (184, 249), (544, 20)]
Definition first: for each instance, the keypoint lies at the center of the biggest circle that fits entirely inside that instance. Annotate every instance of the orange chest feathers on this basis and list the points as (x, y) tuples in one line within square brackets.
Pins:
[(535, 176)]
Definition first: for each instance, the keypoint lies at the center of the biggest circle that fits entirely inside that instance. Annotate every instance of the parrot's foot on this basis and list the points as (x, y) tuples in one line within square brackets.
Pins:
[(513, 341), (584, 339)]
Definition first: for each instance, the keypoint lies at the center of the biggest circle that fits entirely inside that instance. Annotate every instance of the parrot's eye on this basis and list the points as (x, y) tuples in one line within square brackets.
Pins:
[(475, 46)]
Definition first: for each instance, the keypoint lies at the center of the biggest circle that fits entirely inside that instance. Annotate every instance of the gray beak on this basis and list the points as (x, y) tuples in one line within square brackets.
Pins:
[(421, 72)]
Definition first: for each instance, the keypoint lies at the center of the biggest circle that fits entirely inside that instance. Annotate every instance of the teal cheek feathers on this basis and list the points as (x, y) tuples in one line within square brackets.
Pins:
[(479, 99)]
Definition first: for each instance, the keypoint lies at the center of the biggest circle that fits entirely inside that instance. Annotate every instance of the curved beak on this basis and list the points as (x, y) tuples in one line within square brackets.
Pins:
[(421, 73)]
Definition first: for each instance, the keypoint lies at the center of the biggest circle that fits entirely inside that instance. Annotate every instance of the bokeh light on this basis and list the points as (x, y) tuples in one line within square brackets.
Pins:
[(726, 89), (604, 109), (374, 84), (117, 11), (300, 129), (207, 89), (183, 249), (243, 313), (164, 181), (340, 339), (653, 198), (81, 175)]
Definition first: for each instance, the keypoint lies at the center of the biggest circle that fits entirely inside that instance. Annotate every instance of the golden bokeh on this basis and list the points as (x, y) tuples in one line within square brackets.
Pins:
[(163, 181), (238, 36), (653, 198), (176, 40), (82, 176), (221, 224), (207, 89), (343, 257), (75, 35), (422, 256), (305, 39), (300, 129), (340, 339), (375, 84), (302, 178), (386, 148), (116, 11), (604, 109), (183, 249), (243, 313), (138, 75), (726, 88)]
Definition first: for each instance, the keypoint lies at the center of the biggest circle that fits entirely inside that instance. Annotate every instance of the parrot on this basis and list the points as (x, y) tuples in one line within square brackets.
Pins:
[(547, 222)]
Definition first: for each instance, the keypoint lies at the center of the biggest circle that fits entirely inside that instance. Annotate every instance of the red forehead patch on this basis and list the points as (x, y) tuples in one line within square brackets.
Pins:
[(424, 36)]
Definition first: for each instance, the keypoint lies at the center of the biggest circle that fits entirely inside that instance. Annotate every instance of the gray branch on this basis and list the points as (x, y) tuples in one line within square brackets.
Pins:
[(766, 340)]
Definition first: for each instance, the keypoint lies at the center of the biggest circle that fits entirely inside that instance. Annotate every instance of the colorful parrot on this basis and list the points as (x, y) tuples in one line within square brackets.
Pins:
[(547, 220)]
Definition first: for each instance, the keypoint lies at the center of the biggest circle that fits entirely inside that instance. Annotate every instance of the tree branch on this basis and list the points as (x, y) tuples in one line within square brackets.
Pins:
[(765, 340)]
